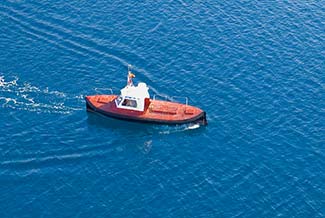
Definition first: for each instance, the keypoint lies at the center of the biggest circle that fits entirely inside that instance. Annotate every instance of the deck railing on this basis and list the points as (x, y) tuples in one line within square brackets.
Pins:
[(102, 90), (177, 98), (173, 98)]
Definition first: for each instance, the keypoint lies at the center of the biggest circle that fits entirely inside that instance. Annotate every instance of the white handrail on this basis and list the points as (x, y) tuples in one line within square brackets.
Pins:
[(162, 96), (180, 97), (173, 98), (103, 89)]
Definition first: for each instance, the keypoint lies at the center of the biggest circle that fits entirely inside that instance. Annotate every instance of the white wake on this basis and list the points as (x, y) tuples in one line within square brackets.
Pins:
[(18, 95)]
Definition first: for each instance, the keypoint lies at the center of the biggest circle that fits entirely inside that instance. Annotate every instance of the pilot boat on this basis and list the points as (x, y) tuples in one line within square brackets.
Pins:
[(134, 104)]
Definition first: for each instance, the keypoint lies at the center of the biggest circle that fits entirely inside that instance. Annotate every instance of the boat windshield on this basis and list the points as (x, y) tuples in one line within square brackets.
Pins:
[(118, 100), (130, 103), (126, 102)]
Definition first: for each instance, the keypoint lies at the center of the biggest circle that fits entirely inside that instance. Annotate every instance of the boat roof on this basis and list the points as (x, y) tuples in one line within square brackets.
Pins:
[(139, 91)]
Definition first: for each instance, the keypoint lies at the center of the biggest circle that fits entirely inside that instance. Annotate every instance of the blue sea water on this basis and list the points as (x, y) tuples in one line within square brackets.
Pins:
[(256, 67)]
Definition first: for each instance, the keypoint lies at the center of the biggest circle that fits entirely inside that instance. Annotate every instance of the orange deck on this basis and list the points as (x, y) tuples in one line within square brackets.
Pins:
[(155, 110)]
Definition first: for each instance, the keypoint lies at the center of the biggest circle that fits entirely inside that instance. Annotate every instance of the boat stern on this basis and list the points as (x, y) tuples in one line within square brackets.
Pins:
[(94, 102), (89, 107), (203, 119)]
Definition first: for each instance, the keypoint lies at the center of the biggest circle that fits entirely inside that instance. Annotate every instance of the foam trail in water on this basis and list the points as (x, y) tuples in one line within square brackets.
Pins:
[(25, 96), (194, 126), (179, 128)]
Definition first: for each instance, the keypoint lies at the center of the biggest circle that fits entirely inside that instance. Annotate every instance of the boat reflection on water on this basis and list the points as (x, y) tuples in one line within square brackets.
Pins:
[(141, 136), (128, 135), (123, 126)]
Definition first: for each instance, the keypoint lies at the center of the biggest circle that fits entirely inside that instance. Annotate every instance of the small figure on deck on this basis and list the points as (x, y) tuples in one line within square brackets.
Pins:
[(130, 76)]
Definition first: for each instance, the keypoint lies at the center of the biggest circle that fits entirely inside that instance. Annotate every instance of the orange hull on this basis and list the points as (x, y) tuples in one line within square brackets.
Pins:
[(156, 111)]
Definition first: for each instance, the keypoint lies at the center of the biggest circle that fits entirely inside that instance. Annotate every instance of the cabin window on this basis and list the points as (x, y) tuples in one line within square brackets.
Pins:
[(118, 100), (129, 103)]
